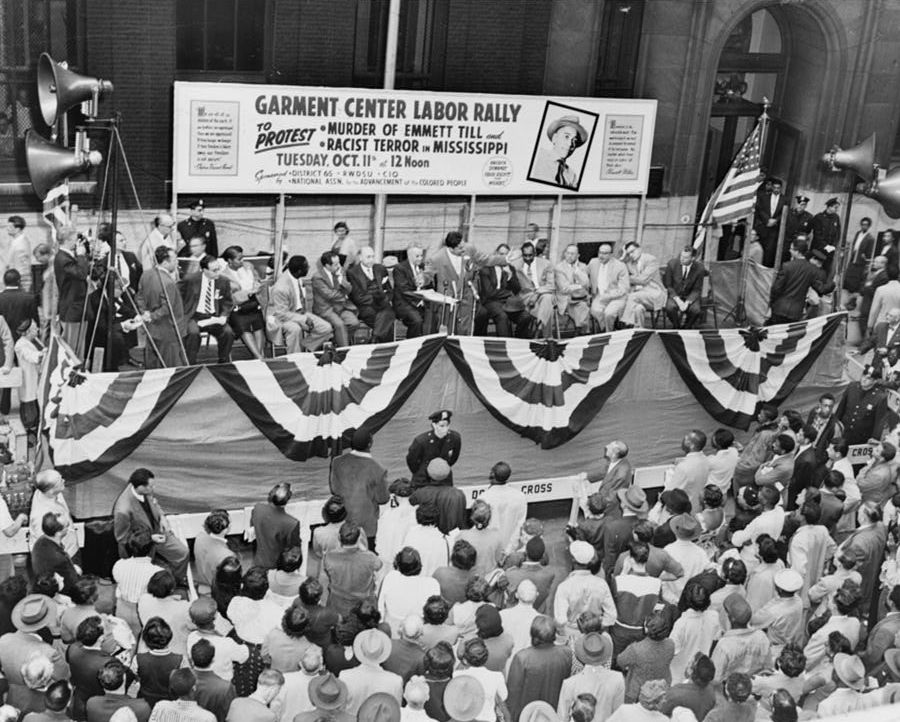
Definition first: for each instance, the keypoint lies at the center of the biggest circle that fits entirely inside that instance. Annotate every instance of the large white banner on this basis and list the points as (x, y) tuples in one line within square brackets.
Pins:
[(236, 138)]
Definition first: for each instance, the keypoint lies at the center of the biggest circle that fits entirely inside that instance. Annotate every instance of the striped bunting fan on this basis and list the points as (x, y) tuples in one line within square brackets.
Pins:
[(545, 391), (730, 370), (91, 422), (308, 404)]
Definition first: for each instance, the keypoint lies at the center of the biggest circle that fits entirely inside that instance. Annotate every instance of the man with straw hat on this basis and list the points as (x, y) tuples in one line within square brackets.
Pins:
[(594, 651), (371, 647), (464, 699), (379, 707), (646, 709)]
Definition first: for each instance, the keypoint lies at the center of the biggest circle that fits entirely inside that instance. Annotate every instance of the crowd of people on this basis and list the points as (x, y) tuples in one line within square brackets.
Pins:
[(762, 584)]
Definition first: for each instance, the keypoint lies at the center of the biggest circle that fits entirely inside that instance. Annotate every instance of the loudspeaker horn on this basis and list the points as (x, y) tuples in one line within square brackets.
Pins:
[(59, 88), (887, 192), (859, 158), (48, 163)]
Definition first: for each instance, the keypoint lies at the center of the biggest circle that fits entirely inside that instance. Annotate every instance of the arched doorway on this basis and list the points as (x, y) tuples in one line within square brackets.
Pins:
[(780, 53)]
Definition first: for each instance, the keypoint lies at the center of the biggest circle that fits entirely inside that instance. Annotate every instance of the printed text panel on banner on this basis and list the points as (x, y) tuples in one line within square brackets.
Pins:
[(237, 138)]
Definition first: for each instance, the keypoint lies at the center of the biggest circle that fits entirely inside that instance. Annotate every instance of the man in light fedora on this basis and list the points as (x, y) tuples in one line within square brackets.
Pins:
[(29, 616), (379, 707), (329, 695), (550, 165), (683, 550), (463, 698), (850, 677), (371, 647), (617, 532), (594, 651)]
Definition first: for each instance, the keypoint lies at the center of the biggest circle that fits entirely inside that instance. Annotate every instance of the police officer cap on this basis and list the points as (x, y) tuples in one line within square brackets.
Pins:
[(197, 204), (832, 202), (802, 199), (442, 415), (819, 254)]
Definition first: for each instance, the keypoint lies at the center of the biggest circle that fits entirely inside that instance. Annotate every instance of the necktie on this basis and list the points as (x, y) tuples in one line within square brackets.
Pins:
[(561, 172), (301, 306), (208, 300), (368, 272), (684, 271)]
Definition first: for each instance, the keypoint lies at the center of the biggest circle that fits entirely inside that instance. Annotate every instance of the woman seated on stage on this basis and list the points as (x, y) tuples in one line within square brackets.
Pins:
[(246, 319)]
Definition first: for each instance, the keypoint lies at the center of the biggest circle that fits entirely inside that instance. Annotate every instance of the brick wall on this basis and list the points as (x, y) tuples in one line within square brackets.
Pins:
[(314, 42)]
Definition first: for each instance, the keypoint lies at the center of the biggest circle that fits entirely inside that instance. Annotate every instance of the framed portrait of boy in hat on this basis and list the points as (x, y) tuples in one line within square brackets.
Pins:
[(562, 145)]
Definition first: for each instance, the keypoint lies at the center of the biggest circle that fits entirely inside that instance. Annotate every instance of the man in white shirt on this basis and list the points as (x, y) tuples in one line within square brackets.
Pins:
[(690, 472), (48, 497), (160, 235), (19, 251), (582, 591), (517, 620), (371, 647), (770, 521), (723, 463), (646, 289), (206, 299), (508, 506)]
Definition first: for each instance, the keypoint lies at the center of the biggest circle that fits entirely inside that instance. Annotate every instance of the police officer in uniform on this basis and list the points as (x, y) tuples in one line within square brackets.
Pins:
[(440, 442), (862, 408), (799, 222), (826, 229), (196, 226)]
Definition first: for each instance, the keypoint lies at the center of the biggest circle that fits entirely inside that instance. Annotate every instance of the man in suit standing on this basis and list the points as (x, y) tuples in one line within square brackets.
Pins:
[(16, 305), (71, 268), (163, 312), (537, 282), (274, 528), (886, 297), (409, 277), (766, 219), (799, 222), (303, 331), (371, 292), (362, 483), (207, 299), (867, 544), (573, 289), (135, 509), (48, 555), (683, 279), (809, 466), (609, 287), (646, 291), (498, 288), (860, 256), (614, 473), (692, 470), (787, 297), (876, 278), (331, 299), (454, 267), (778, 470)]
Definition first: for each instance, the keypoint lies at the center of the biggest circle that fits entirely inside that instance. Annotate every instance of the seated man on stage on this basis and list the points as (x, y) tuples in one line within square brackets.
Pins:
[(683, 279), (646, 291), (303, 331), (207, 303), (573, 289), (124, 336), (370, 290), (498, 287), (538, 283), (609, 287), (409, 277), (331, 299)]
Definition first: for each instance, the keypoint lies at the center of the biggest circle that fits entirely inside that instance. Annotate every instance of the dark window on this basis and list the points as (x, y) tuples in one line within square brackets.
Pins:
[(620, 41), (221, 35), (421, 43)]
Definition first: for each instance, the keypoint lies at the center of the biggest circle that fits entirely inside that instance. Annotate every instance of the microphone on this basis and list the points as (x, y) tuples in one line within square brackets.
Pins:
[(474, 292)]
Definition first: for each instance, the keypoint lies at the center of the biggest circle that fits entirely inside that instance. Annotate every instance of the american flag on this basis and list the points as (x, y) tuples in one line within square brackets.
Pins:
[(736, 194)]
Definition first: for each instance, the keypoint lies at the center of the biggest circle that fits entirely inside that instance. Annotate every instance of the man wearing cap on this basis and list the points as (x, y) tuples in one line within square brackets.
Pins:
[(362, 483), (256, 707), (197, 226), (850, 677), (685, 552), (594, 651), (32, 614), (136, 508), (767, 219), (328, 695), (740, 649), (550, 165), (441, 442), (826, 231), (371, 647), (582, 591), (464, 699), (787, 297), (862, 408), (799, 222)]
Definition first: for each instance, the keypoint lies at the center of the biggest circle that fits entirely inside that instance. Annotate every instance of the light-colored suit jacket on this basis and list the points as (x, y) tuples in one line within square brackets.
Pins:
[(886, 297), (571, 278), (16, 648), (777, 471), (618, 284), (327, 297), (690, 473), (644, 272), (285, 299), (545, 274)]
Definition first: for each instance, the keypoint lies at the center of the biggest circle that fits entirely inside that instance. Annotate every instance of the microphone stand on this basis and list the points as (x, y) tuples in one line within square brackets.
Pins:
[(475, 299), (443, 325)]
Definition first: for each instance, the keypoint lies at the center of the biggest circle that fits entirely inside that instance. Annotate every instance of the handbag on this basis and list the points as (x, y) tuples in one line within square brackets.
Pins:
[(251, 305)]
